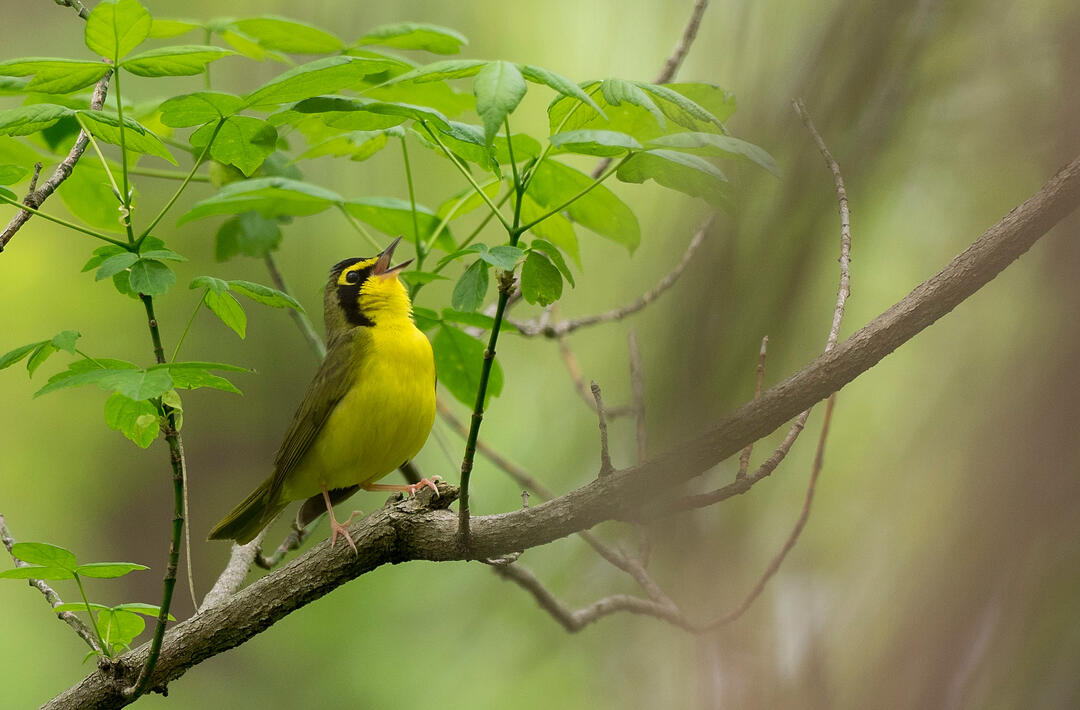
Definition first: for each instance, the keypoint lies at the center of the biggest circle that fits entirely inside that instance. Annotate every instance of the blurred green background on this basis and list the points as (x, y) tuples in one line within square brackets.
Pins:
[(941, 564)]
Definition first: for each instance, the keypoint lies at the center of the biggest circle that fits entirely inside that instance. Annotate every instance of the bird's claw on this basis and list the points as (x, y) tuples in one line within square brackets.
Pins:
[(342, 529)]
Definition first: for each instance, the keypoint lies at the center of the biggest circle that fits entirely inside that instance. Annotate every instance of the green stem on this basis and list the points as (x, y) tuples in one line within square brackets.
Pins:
[(468, 176), (101, 157), (581, 193), (359, 227), (184, 184), (207, 36), (519, 189), (176, 458), (558, 129), (87, 357), (125, 196), (412, 201), (187, 328), (167, 174), (90, 613), (299, 317), (64, 222)]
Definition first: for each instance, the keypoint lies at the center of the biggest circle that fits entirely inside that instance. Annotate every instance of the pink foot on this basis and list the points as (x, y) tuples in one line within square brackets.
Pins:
[(342, 529), (410, 488)]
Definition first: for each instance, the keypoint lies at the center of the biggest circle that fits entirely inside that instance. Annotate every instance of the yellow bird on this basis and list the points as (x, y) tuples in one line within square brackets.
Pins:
[(368, 410)]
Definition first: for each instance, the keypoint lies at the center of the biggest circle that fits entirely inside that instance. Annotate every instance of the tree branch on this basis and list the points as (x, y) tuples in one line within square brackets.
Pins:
[(408, 530)]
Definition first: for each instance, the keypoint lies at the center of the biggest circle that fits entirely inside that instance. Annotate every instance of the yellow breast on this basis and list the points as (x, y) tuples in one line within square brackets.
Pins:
[(381, 422)]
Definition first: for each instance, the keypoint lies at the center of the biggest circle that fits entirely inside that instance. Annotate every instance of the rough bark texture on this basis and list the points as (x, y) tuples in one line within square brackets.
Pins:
[(424, 529)]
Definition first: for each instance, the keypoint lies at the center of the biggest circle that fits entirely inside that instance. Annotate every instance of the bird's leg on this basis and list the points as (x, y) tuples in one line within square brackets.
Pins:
[(410, 488), (337, 528)]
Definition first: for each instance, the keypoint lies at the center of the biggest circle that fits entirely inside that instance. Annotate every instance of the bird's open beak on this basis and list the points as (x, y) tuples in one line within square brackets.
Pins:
[(382, 266)]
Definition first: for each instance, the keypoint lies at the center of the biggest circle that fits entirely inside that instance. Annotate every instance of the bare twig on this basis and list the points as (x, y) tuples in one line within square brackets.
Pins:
[(574, 370), (76, 6), (302, 321), (744, 458), (671, 66), (63, 170), (33, 180), (637, 388), (789, 543), (50, 594), (605, 455), (292, 541), (554, 330), (232, 577), (575, 620)]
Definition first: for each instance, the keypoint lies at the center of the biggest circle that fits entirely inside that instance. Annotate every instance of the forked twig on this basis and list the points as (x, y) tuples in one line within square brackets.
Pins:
[(744, 458), (605, 454)]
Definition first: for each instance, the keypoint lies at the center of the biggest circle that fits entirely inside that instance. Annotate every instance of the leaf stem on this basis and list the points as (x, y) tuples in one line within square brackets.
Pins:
[(167, 174), (359, 227), (581, 193), (468, 176), (558, 129), (65, 223), (100, 155), (90, 613), (198, 305), (184, 184), (125, 196), (420, 254)]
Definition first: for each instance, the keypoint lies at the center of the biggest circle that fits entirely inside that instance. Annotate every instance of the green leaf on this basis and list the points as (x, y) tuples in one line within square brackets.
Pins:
[(595, 142), (499, 88), (11, 174), (471, 288), (137, 420), (425, 318), (442, 70), (119, 628), (55, 76), (249, 233), (141, 608), (357, 145), (599, 210), (551, 252), (137, 384), (115, 27), (78, 606), (228, 309), (150, 277), (88, 194), (475, 320), (680, 109), (199, 108), (458, 360), (684, 172), (65, 340), (469, 200), (182, 60), (556, 229), (539, 75), (502, 257), (115, 264), (163, 28), (421, 277), (716, 145), (13, 356), (137, 138), (39, 356), (108, 570), (162, 254), (211, 282), (393, 216), (265, 295), (24, 120), (283, 35), (458, 253), (101, 254), (414, 35), (617, 91), (47, 573), (270, 197), (190, 378), (44, 554), (541, 281), (717, 101), (343, 104), (319, 77), (242, 141)]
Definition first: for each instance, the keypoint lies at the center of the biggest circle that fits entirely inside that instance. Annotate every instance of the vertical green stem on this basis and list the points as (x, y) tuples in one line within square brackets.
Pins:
[(207, 35), (125, 196), (412, 201), (184, 184), (176, 459), (506, 287), (90, 612)]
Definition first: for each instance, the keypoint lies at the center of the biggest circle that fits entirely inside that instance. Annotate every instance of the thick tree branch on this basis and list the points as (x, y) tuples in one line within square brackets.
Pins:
[(408, 530)]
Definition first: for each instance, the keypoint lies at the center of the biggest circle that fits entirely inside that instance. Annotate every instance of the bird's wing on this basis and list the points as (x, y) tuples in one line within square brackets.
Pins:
[(334, 378)]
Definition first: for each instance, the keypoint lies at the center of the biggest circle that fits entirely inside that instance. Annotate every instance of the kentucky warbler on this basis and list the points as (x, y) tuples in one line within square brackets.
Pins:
[(369, 409)]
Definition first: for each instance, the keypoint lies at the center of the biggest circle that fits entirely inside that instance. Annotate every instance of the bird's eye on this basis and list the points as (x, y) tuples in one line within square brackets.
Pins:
[(352, 277)]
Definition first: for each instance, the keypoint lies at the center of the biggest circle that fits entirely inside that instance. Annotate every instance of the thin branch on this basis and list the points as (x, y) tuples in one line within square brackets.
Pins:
[(605, 455), (232, 577), (292, 541), (409, 530), (302, 321), (637, 389), (789, 543), (76, 6), (554, 330), (671, 66), (50, 594), (744, 458), (63, 170), (575, 620)]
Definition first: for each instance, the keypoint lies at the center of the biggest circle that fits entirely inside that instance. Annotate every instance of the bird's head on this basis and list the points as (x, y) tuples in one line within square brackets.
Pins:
[(364, 292)]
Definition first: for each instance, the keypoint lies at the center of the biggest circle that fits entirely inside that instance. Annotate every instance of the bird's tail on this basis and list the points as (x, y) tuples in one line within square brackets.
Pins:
[(247, 519)]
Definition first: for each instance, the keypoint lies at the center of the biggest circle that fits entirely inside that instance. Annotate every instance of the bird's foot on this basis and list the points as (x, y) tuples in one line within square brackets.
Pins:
[(342, 529), (410, 488)]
